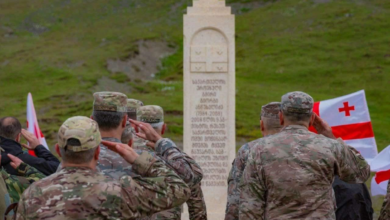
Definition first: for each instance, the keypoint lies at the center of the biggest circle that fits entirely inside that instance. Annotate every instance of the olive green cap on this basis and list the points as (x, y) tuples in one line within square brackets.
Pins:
[(150, 114), (270, 110), (297, 102), (81, 128), (110, 101)]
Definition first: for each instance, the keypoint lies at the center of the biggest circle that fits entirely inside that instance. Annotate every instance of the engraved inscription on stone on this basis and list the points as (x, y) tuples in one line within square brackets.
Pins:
[(209, 129), (209, 52)]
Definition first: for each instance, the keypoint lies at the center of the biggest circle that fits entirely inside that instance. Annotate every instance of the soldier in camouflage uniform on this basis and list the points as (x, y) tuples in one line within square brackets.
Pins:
[(289, 175), (16, 184), (269, 124), (385, 211), (154, 115), (13, 186), (79, 191), (109, 111), (132, 108)]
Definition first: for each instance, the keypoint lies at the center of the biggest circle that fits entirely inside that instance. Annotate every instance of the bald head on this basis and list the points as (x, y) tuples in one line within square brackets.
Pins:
[(10, 127)]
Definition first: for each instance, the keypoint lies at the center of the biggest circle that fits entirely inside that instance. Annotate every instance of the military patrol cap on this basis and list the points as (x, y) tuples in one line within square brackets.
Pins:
[(150, 114), (270, 110), (110, 101), (132, 107), (81, 128), (297, 102)]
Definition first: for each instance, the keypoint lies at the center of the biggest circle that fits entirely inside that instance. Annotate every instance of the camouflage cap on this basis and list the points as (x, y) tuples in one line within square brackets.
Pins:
[(81, 128), (132, 107), (150, 114), (297, 102), (110, 101), (270, 110)]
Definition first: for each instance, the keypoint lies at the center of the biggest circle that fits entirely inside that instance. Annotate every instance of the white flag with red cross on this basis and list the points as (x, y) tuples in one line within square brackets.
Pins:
[(32, 123), (381, 165), (350, 120)]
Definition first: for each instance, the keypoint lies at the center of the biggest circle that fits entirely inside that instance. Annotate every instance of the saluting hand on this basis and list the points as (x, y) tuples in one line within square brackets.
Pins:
[(15, 161), (122, 149), (32, 140), (148, 133), (322, 127)]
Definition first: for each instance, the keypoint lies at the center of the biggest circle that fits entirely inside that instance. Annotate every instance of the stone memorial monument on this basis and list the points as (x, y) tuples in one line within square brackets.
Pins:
[(209, 97)]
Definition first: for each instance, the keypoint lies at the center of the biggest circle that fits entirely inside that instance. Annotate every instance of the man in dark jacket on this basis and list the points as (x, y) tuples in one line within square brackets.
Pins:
[(353, 201), (10, 135)]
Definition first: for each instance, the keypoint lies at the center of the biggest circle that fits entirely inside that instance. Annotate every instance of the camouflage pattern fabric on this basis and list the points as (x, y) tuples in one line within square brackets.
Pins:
[(297, 102), (17, 184), (110, 101), (238, 166), (385, 211), (132, 107), (81, 128), (270, 110), (196, 204), (151, 114), (289, 175), (82, 193), (109, 160), (182, 164)]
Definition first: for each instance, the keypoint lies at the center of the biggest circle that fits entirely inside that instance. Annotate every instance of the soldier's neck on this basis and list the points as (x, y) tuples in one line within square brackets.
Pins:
[(287, 123), (90, 165), (114, 133)]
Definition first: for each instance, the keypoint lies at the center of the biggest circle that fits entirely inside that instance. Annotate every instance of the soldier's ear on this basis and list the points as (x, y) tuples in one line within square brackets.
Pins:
[(97, 152), (312, 118), (262, 125), (58, 150), (130, 143), (163, 129), (281, 118), (124, 121)]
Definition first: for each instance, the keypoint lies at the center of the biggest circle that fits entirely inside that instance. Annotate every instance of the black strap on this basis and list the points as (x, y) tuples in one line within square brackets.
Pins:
[(14, 207)]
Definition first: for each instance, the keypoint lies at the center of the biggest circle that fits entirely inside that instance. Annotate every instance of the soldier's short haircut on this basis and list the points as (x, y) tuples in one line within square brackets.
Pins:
[(297, 117), (80, 157), (126, 135), (108, 120), (271, 124), (10, 127)]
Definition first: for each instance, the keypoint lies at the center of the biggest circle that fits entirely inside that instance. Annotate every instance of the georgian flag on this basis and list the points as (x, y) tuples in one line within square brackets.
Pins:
[(32, 123), (381, 165), (350, 120)]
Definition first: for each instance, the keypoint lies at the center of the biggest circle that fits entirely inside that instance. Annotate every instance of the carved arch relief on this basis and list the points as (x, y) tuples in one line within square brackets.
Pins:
[(209, 52)]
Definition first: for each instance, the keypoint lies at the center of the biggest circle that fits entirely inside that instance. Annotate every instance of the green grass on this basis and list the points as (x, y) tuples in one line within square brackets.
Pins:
[(326, 49)]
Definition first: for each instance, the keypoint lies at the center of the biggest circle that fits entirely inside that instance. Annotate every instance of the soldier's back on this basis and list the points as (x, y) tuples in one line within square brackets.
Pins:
[(72, 193), (298, 168)]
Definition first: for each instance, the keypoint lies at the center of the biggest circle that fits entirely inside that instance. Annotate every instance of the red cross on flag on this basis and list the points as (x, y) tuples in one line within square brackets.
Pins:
[(350, 120), (32, 123), (381, 165)]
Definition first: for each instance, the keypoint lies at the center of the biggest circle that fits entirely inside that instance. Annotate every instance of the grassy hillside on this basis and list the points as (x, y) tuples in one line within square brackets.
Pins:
[(59, 51)]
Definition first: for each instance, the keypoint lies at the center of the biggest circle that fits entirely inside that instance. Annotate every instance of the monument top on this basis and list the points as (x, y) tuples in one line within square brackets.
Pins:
[(209, 7)]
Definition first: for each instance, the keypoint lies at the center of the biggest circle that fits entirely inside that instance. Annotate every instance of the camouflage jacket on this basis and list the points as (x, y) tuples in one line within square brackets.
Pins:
[(182, 164), (83, 193), (289, 175), (109, 160), (17, 184), (385, 211), (238, 166), (196, 204)]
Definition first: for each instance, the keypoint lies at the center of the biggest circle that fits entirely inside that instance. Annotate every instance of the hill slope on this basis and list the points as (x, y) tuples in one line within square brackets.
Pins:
[(59, 50)]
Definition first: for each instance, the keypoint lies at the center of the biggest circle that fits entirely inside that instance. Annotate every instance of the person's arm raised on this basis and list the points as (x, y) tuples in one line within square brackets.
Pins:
[(157, 188)]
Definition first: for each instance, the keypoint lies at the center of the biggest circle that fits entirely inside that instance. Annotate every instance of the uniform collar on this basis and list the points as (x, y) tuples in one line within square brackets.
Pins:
[(294, 127)]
